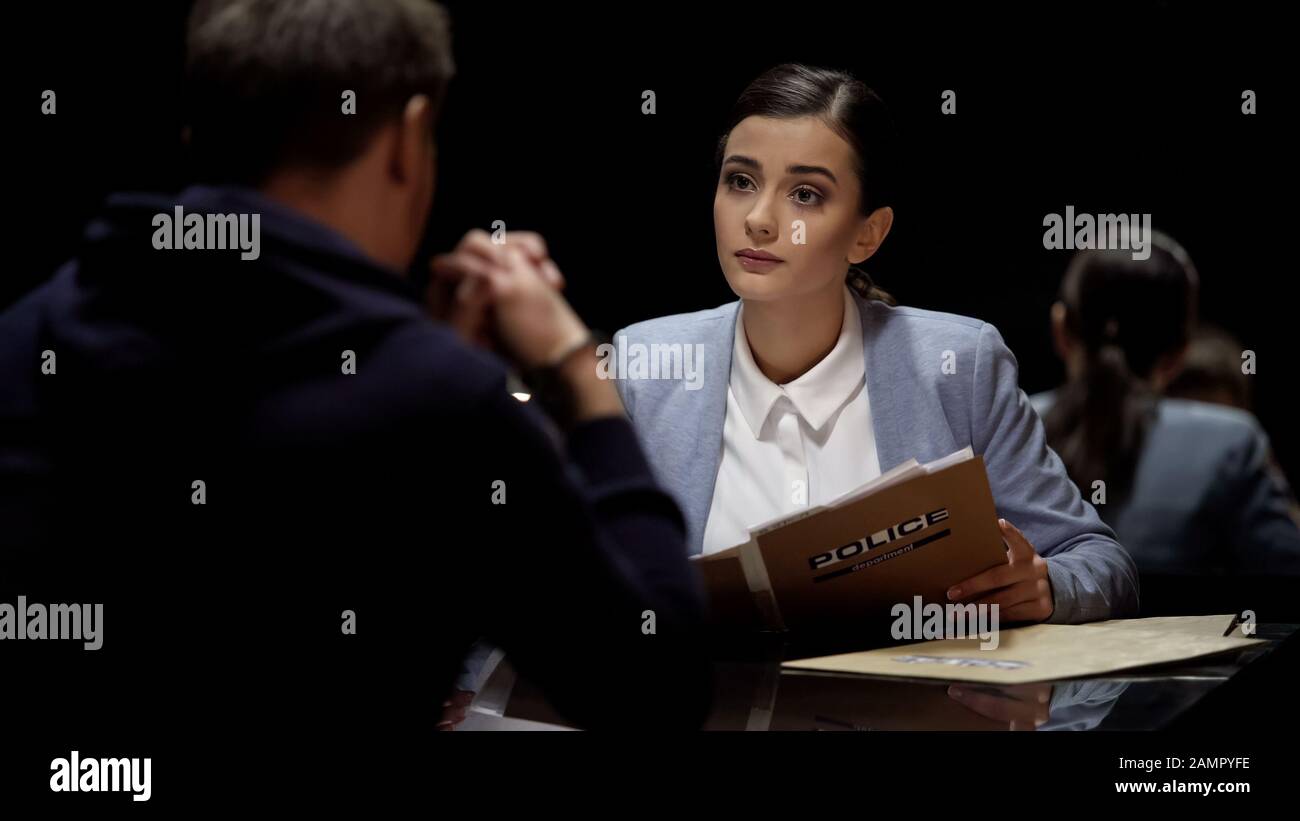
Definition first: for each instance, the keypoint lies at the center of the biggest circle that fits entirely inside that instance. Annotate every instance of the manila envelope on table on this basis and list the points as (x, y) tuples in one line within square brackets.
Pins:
[(1186, 625), (1045, 652), (843, 568)]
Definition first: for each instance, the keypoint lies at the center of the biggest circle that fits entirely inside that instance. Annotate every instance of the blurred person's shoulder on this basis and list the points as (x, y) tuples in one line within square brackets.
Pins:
[(1215, 428), (1209, 425), (1198, 450), (1043, 401)]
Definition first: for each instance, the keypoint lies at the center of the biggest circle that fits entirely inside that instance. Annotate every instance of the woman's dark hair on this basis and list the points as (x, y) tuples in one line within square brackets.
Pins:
[(1126, 314), (850, 109)]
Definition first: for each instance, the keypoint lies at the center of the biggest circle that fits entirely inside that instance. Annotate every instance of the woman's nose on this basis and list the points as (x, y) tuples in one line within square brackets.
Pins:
[(759, 221)]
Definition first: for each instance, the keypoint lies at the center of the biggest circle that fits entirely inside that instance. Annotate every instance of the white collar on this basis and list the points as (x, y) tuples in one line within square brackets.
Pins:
[(818, 393)]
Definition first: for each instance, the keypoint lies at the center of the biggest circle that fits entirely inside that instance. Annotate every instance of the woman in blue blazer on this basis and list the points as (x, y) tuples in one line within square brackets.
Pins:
[(814, 381), (1191, 487)]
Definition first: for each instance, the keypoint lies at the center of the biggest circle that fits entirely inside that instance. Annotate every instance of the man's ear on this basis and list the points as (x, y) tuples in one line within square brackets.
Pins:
[(414, 143), (872, 233)]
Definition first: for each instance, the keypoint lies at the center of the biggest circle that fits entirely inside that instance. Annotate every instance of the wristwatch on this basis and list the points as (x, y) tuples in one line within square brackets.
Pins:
[(548, 386)]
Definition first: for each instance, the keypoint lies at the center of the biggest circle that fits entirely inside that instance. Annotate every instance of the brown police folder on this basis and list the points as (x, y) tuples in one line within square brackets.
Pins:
[(914, 532)]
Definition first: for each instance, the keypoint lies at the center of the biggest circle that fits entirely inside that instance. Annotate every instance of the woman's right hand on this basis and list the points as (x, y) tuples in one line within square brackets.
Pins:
[(1020, 706)]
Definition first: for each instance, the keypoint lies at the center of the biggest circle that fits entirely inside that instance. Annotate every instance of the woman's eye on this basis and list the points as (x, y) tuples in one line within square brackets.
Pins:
[(739, 182), (807, 196)]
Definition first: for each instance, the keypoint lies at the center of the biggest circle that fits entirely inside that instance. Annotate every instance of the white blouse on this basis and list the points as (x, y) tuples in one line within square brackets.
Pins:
[(786, 447)]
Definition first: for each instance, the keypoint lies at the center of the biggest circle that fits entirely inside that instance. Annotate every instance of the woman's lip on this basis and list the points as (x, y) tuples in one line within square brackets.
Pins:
[(757, 257), (757, 263)]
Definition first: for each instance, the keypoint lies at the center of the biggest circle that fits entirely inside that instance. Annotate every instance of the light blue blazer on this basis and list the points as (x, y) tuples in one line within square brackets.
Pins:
[(918, 411)]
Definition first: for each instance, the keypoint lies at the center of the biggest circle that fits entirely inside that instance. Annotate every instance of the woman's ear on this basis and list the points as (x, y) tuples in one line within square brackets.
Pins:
[(871, 234), (1061, 340)]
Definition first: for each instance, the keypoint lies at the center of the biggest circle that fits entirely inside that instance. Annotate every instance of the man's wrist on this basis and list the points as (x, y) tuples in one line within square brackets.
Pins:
[(571, 389)]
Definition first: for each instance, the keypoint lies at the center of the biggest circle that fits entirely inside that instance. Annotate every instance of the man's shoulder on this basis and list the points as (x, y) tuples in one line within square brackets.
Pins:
[(20, 360), (430, 363)]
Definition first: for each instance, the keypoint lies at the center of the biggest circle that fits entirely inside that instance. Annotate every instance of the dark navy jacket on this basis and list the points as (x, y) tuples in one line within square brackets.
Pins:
[(324, 492)]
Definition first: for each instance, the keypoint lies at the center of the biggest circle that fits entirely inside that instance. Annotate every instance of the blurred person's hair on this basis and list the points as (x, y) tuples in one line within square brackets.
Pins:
[(1126, 315), (850, 109), (1212, 371), (264, 80)]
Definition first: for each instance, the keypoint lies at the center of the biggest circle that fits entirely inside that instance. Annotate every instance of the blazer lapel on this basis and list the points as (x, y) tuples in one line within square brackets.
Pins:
[(707, 417), (886, 394)]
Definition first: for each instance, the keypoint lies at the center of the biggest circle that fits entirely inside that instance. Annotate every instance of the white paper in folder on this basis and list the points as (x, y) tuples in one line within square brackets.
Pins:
[(751, 558), (899, 473)]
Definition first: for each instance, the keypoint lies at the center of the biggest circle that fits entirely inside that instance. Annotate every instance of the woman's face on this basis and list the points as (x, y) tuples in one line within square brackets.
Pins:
[(777, 173)]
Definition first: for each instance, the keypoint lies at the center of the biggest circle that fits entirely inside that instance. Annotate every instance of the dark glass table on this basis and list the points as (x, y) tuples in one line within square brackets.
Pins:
[(756, 693)]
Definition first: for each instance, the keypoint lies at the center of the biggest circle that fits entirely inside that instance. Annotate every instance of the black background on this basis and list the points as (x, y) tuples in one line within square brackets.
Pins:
[(1110, 108)]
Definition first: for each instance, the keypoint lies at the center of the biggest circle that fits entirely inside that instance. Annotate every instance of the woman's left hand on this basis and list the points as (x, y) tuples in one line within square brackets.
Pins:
[(1020, 588)]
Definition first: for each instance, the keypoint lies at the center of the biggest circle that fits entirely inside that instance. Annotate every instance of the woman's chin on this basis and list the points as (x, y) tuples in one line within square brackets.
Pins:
[(747, 285)]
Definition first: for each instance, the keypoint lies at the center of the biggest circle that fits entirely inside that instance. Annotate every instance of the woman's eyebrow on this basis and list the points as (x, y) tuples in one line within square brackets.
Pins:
[(750, 162), (811, 169)]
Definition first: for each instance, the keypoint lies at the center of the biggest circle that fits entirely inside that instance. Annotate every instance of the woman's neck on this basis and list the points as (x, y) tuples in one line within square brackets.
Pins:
[(787, 337)]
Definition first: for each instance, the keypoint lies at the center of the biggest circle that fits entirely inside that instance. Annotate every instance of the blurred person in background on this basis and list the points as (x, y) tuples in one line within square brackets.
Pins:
[(1187, 485), (1212, 372)]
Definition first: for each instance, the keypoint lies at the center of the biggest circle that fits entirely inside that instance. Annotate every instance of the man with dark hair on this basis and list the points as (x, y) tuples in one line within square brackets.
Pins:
[(298, 498), (273, 85)]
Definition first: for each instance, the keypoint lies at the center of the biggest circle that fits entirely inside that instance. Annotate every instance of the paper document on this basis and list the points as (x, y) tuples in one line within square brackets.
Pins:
[(1044, 652)]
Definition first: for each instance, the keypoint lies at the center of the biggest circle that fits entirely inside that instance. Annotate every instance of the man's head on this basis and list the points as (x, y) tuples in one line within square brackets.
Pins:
[(327, 105)]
